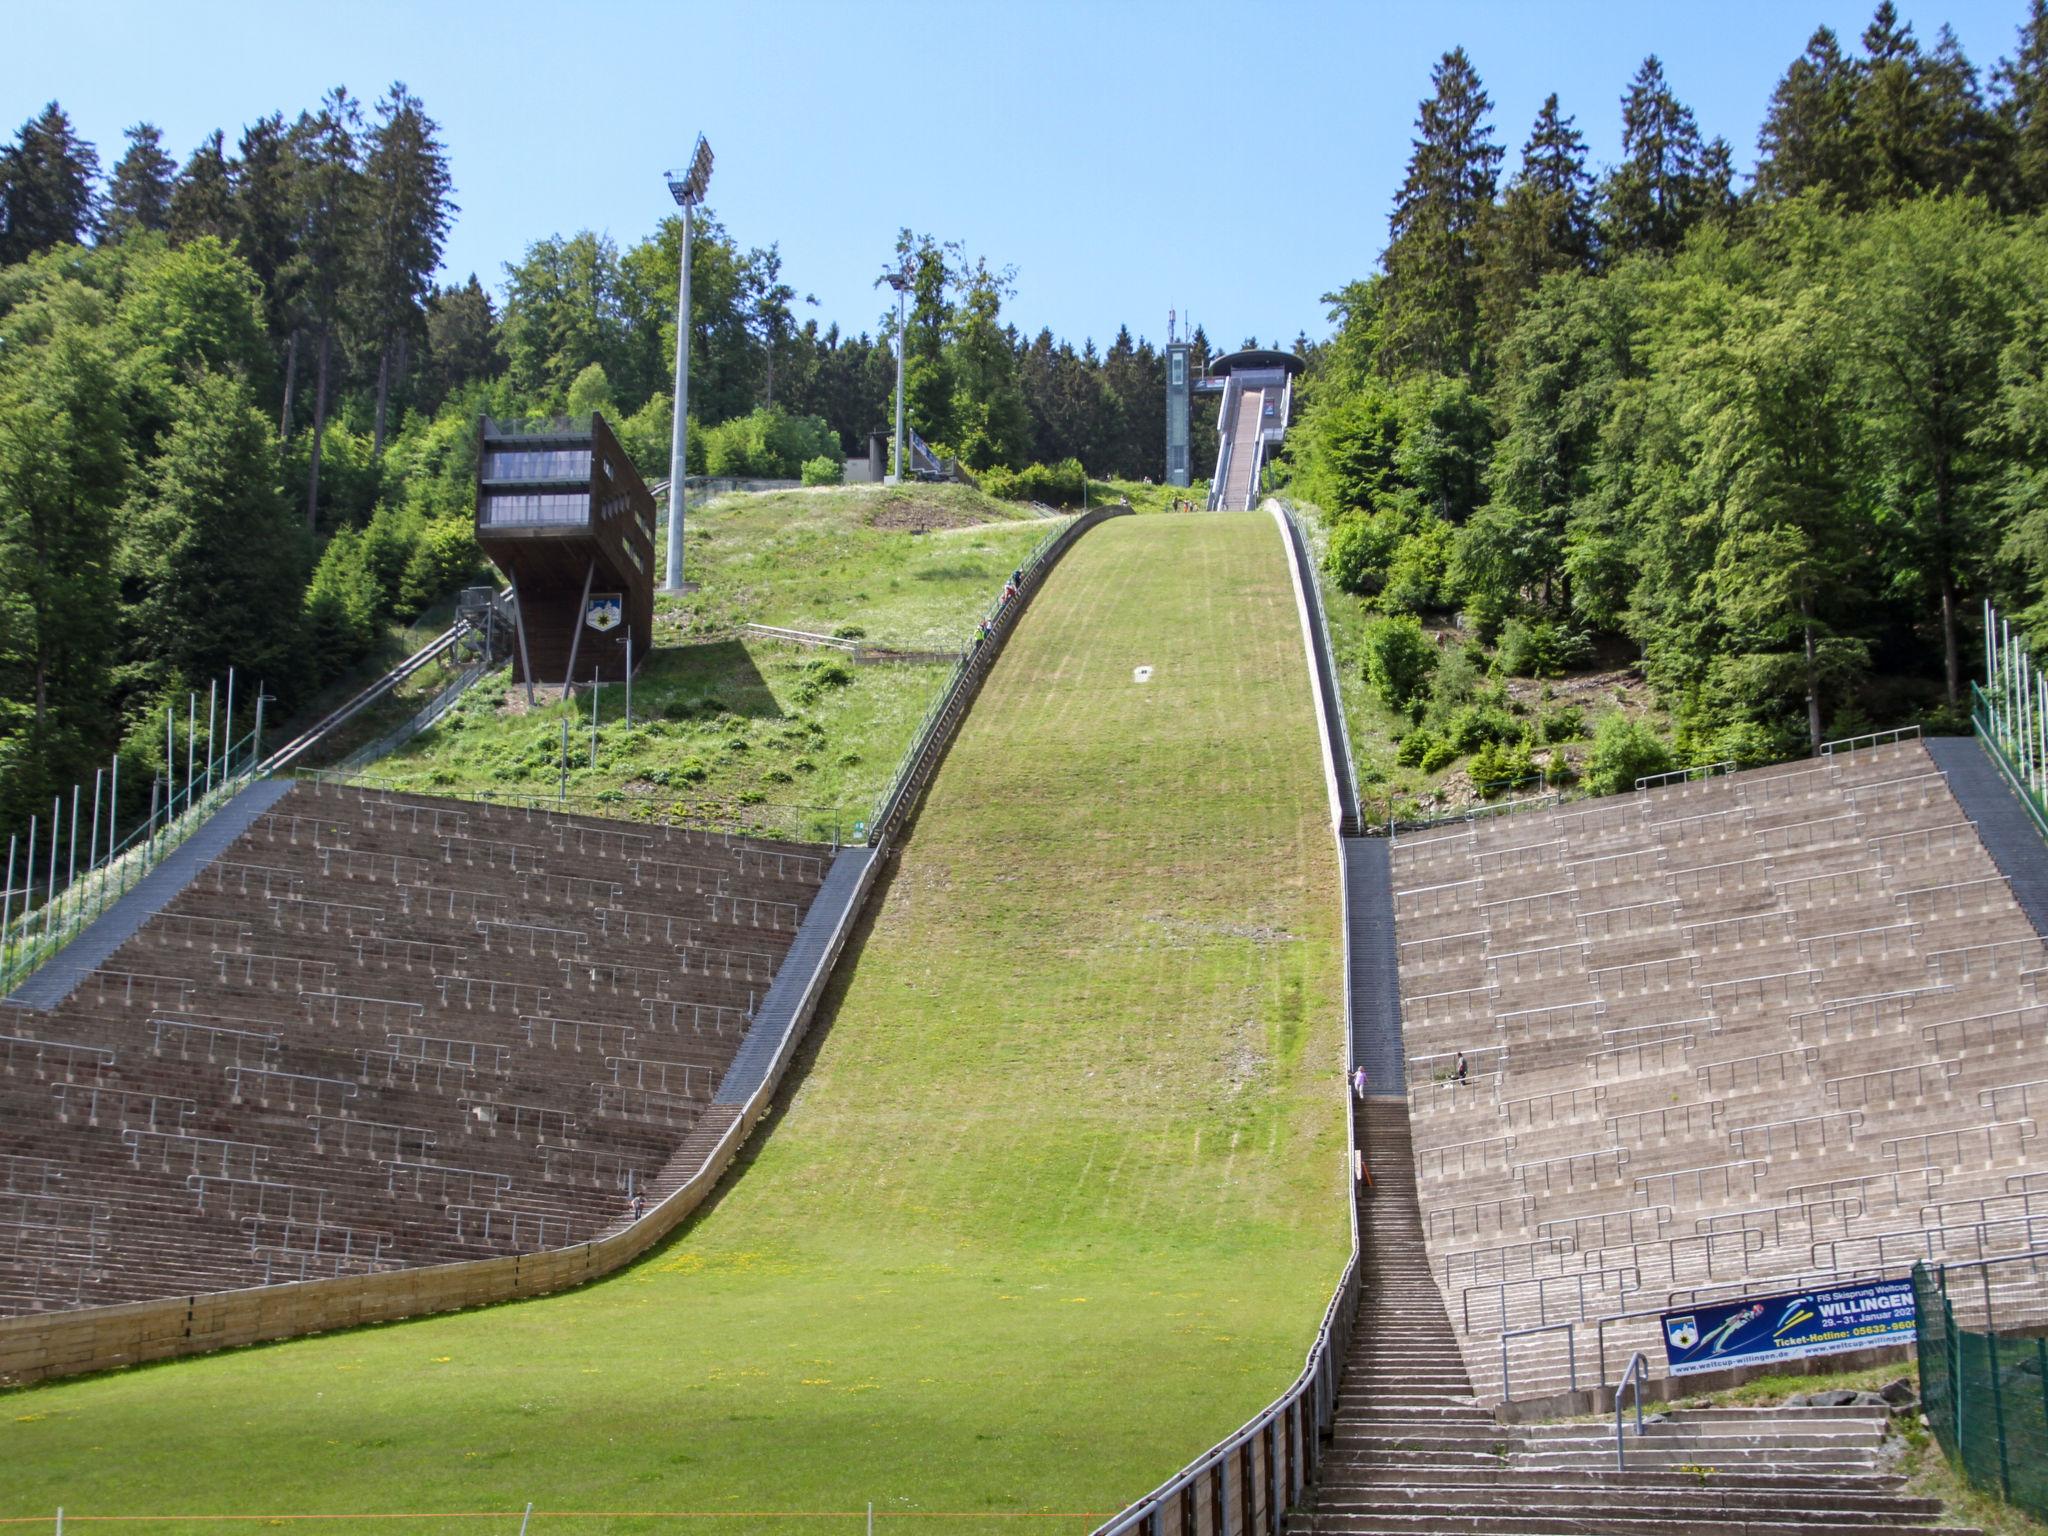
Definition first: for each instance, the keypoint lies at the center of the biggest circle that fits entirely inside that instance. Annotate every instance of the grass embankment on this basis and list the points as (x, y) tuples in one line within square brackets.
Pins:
[(1059, 1202), (723, 718)]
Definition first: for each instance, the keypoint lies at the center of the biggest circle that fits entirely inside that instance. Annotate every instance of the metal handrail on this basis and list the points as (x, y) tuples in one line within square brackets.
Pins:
[(1638, 1365), (1571, 1352), (300, 744)]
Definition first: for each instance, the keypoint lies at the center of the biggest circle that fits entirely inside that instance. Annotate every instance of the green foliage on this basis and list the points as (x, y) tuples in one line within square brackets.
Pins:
[(1361, 548), (1437, 754), (591, 391), (444, 557), (1624, 750), (212, 559), (826, 469), (1398, 659), (1477, 725), (1054, 485), (767, 444), (1417, 576), (1499, 767), (344, 605), (1540, 648), (1562, 725)]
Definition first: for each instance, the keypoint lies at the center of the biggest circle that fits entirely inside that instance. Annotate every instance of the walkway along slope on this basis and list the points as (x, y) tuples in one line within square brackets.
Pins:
[(36, 1347)]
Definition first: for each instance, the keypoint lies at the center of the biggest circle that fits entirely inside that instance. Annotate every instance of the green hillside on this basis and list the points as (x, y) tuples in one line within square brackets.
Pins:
[(1058, 1202)]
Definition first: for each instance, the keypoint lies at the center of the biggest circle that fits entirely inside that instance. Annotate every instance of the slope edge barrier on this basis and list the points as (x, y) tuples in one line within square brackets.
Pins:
[(43, 1346)]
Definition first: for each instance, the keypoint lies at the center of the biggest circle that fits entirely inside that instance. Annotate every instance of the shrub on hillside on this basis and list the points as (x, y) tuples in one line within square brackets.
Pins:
[(1480, 725), (1064, 484), (1500, 766), (1398, 658), (1417, 575), (1360, 548), (1539, 648), (443, 558), (826, 469), (1624, 750), (768, 444), (1566, 724)]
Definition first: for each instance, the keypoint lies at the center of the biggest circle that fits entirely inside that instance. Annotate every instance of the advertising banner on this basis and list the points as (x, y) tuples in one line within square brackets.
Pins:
[(1760, 1329)]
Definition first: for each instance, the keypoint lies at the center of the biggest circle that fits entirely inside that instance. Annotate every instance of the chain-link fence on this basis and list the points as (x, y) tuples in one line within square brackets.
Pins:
[(1983, 1335)]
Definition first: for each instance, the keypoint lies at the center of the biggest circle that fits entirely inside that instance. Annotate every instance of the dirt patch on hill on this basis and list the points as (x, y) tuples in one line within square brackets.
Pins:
[(920, 517)]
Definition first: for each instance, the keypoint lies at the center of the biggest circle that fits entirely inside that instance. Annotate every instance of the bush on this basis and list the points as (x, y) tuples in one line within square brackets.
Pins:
[(343, 605), (1624, 750), (1414, 747), (1541, 649), (768, 444), (1480, 725), (1745, 744), (1398, 659), (1499, 767), (826, 469), (1064, 484), (1416, 575), (1441, 754), (444, 557), (1567, 724), (1360, 548)]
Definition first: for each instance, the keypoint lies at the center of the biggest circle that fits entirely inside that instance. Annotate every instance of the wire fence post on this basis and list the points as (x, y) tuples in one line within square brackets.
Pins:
[(50, 887)]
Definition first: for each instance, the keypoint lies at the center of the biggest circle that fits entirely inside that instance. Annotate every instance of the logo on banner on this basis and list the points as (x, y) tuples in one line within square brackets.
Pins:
[(605, 613), (1683, 1332)]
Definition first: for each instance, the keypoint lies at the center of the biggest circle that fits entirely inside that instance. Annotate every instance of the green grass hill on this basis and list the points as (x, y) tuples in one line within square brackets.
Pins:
[(1058, 1200)]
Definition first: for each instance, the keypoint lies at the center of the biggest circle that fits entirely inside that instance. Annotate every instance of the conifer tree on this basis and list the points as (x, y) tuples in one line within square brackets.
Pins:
[(327, 204), (139, 193), (1920, 121), (266, 233), (1437, 228), (203, 197), (1544, 223), (1668, 179), (2022, 86), (406, 185), (1806, 142), (46, 187), (462, 342)]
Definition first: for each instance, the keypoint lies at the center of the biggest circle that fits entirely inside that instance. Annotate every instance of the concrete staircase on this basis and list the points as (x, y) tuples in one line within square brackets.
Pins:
[(1413, 1452)]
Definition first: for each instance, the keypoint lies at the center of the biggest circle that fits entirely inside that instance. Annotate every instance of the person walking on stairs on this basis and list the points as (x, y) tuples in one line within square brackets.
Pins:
[(1358, 1082)]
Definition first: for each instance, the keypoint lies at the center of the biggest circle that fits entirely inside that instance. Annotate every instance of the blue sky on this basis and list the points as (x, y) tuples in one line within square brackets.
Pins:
[(1235, 161)]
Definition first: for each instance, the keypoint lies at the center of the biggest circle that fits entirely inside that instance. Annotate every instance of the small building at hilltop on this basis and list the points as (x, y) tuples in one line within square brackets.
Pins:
[(562, 512)]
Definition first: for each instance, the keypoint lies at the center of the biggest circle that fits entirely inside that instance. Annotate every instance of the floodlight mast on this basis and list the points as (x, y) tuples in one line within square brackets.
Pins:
[(687, 187), (900, 281)]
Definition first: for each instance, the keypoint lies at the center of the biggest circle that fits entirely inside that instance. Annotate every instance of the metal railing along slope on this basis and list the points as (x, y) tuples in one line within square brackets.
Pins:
[(288, 754)]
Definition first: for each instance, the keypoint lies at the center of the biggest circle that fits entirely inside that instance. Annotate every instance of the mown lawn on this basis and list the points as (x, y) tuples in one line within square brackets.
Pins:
[(1059, 1201)]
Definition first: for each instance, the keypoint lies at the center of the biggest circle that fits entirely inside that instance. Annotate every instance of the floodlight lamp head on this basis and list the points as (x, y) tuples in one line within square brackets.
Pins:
[(900, 281), (687, 187)]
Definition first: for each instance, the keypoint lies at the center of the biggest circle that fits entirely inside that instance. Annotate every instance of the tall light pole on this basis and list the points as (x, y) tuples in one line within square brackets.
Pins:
[(900, 281), (687, 188)]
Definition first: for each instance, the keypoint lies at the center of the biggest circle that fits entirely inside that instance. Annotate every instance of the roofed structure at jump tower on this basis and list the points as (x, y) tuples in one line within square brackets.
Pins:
[(562, 512)]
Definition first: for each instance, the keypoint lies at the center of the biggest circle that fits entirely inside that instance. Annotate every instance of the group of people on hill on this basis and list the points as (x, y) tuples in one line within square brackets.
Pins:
[(1010, 590)]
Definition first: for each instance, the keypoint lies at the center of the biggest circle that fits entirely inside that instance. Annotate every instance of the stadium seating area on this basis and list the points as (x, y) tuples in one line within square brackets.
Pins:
[(1748, 1032), (385, 1031)]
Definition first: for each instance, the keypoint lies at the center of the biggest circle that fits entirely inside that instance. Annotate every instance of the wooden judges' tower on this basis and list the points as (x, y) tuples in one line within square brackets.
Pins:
[(563, 513)]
